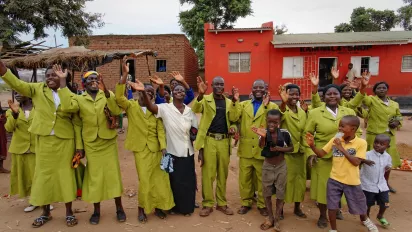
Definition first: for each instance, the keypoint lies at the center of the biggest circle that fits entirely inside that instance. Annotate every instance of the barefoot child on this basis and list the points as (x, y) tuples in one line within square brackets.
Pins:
[(275, 143), (348, 151), (372, 175)]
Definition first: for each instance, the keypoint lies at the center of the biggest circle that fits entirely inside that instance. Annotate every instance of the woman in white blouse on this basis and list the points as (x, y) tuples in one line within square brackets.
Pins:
[(178, 119)]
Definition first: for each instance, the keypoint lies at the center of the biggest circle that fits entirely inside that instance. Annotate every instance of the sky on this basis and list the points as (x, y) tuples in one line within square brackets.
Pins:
[(161, 16)]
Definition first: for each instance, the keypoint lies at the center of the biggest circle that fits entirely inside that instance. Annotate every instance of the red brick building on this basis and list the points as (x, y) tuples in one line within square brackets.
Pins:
[(243, 55), (174, 54)]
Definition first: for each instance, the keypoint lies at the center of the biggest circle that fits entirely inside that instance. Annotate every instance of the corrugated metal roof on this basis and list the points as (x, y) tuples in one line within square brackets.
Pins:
[(242, 29), (342, 39)]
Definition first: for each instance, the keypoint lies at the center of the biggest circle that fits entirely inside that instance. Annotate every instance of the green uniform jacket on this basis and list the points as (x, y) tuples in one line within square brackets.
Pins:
[(91, 112), (361, 112), (295, 124), (207, 107), (249, 141), (324, 126), (22, 140), (143, 129), (380, 114), (46, 118), (354, 103)]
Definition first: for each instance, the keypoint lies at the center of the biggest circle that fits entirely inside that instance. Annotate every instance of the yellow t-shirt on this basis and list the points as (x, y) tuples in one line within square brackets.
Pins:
[(342, 170)]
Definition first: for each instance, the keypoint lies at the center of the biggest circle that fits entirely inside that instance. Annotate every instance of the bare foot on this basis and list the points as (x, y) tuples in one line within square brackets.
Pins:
[(3, 170)]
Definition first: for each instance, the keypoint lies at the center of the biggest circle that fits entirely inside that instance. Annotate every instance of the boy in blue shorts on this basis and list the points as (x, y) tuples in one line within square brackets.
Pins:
[(372, 176), (348, 151)]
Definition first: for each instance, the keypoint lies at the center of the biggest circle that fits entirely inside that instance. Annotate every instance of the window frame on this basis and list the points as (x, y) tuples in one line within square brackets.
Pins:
[(239, 59), (156, 69), (405, 70), (302, 58)]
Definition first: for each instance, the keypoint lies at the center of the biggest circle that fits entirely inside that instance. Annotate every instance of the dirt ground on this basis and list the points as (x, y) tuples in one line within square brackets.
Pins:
[(12, 217)]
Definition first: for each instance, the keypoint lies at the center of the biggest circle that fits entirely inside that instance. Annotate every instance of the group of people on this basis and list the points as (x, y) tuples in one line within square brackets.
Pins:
[(277, 146)]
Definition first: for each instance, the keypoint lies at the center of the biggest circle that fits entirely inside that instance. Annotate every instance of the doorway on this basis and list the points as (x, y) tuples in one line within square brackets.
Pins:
[(325, 68)]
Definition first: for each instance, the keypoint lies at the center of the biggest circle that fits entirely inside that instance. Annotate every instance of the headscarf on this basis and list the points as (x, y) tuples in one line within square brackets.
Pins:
[(332, 86), (87, 74)]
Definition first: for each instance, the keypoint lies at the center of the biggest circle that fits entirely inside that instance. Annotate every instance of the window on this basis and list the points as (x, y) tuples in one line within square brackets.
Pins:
[(407, 64), (161, 66), (365, 64), (293, 67), (239, 62)]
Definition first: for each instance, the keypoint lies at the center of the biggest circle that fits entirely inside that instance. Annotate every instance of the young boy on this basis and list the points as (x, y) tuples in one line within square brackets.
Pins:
[(275, 143), (372, 175), (348, 151)]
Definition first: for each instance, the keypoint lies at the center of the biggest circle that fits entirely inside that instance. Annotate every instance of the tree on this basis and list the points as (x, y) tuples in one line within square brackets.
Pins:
[(363, 19), (222, 14), (34, 16), (405, 15), (280, 30), (343, 27)]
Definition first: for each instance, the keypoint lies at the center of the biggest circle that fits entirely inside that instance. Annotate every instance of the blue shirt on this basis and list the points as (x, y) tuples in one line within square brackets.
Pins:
[(190, 95), (256, 105)]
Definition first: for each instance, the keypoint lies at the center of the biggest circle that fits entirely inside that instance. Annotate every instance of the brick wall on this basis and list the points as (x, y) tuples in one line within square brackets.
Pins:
[(174, 48)]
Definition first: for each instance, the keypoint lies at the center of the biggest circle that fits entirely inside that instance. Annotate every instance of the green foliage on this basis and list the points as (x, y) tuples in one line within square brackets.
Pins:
[(25, 16), (221, 13), (405, 16), (280, 30), (343, 27)]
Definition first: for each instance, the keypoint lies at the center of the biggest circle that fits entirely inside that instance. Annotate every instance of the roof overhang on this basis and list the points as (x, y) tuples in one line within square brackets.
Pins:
[(216, 31), (300, 45)]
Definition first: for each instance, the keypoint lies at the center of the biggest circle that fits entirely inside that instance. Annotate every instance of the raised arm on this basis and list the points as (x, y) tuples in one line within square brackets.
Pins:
[(15, 83), (235, 109), (11, 121), (138, 86), (197, 106), (284, 96), (178, 77)]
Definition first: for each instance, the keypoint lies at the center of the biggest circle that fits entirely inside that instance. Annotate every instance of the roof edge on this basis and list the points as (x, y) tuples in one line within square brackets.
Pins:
[(241, 29), (300, 45)]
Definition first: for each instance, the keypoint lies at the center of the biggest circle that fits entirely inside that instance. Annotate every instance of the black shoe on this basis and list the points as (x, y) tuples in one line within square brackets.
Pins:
[(121, 216), (94, 219)]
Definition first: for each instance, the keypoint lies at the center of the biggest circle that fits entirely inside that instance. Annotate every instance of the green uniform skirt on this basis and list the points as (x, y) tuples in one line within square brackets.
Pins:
[(296, 178), (22, 172), (53, 179), (319, 178), (154, 185), (102, 178), (392, 150)]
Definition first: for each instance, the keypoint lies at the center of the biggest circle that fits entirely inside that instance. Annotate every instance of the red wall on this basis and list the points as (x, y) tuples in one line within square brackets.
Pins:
[(267, 61)]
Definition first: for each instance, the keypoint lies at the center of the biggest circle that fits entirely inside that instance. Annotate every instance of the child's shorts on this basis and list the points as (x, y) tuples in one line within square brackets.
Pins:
[(274, 175), (381, 199), (353, 194)]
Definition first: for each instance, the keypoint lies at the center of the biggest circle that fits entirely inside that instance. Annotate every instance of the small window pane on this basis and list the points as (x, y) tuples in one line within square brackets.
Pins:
[(239, 62), (234, 65), (407, 63), (161, 66)]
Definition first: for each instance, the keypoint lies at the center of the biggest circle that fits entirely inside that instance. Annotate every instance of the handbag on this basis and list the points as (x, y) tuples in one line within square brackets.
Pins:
[(166, 163), (79, 176), (112, 121), (193, 133)]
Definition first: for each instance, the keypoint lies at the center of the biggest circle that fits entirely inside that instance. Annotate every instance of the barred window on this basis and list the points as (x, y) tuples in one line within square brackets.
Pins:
[(239, 62), (407, 64)]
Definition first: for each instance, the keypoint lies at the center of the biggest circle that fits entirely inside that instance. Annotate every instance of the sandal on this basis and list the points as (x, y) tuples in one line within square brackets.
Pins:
[(142, 218), (267, 224), (300, 214), (40, 221), (276, 227), (339, 215), (160, 214), (322, 223), (121, 216), (384, 222), (94, 219), (71, 221)]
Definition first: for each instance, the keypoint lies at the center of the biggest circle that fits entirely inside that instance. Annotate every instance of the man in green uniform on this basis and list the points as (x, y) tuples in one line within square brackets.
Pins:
[(251, 113), (213, 143)]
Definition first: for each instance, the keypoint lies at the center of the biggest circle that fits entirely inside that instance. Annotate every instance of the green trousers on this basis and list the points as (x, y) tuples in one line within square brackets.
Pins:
[(250, 180), (216, 164)]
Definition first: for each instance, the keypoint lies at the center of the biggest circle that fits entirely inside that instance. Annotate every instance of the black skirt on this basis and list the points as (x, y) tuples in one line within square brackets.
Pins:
[(183, 184)]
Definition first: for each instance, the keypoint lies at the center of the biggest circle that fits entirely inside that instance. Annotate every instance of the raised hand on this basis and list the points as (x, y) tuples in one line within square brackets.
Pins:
[(314, 79), (235, 93), (138, 86), (177, 76), (125, 66), (335, 72), (304, 106), (14, 106), (3, 68), (155, 79), (338, 144), (354, 84), (310, 139), (266, 99), (62, 74), (365, 81), (201, 85), (259, 131), (283, 94), (366, 75)]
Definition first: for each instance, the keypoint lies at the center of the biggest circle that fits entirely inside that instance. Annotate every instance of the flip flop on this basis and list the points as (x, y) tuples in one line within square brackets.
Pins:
[(71, 221), (384, 223), (142, 218), (267, 225), (40, 221)]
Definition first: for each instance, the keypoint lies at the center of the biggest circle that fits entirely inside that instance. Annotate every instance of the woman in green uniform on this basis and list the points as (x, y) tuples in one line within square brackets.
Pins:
[(147, 139), (348, 94), (384, 118), (294, 120), (323, 122), (102, 178), (22, 146), (53, 179)]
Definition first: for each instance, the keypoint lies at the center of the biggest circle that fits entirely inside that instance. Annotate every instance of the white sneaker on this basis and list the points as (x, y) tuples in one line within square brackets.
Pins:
[(51, 207), (369, 224), (30, 208), (333, 231)]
